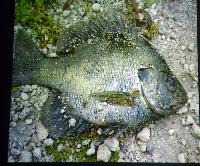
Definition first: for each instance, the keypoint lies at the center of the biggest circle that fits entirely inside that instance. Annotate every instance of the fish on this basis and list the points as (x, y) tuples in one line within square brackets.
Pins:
[(106, 71)]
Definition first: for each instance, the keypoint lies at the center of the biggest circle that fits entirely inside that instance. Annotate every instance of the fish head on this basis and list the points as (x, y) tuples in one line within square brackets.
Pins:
[(161, 90)]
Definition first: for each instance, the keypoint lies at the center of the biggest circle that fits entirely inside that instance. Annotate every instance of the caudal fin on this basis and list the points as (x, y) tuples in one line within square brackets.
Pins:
[(26, 56)]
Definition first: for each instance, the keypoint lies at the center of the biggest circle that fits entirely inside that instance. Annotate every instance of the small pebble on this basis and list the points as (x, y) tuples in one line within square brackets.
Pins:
[(189, 120), (99, 131), (196, 130), (96, 7), (181, 158), (191, 46), (91, 150), (144, 135), (103, 153), (60, 147), (66, 13), (48, 142), (29, 121), (182, 110), (37, 152), (72, 122), (24, 96), (171, 132)]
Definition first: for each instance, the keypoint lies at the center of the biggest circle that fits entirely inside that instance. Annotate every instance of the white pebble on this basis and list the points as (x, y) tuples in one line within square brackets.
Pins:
[(91, 150), (189, 120), (29, 121), (144, 135), (24, 96), (48, 142), (171, 132), (182, 110), (96, 7), (181, 158), (52, 54), (60, 147), (66, 13), (72, 122), (103, 153)]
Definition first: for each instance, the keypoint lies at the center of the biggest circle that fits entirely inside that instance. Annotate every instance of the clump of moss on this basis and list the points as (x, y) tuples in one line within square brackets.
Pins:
[(33, 14), (14, 89), (142, 18), (114, 157)]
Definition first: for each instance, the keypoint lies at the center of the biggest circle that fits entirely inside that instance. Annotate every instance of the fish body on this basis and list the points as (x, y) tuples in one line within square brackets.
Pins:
[(108, 72)]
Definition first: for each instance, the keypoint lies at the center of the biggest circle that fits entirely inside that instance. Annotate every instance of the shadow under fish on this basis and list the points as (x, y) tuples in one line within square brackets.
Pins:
[(109, 74)]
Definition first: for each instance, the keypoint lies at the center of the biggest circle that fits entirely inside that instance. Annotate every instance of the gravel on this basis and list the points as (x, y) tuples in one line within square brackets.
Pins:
[(25, 112)]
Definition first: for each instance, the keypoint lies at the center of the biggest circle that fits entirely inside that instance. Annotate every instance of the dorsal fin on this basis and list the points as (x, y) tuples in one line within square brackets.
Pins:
[(113, 27)]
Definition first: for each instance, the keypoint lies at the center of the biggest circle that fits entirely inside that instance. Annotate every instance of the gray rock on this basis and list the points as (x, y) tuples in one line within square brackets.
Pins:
[(143, 147), (43, 98), (112, 144), (181, 158), (72, 122), (33, 93), (25, 156), (25, 112), (171, 132), (144, 135), (15, 117), (48, 142), (189, 120), (15, 151), (96, 7), (27, 88), (182, 110), (42, 132), (196, 130), (91, 150), (14, 124), (37, 152), (86, 142), (10, 159), (103, 153), (24, 96), (60, 147), (29, 121)]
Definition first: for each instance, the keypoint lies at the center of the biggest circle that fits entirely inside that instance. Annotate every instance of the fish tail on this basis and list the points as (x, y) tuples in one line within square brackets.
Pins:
[(25, 59)]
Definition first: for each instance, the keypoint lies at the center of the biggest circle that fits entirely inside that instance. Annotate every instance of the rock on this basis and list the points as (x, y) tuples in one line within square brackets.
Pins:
[(183, 122), (29, 121), (37, 152), (144, 135), (191, 47), (52, 54), (183, 142), (35, 139), (48, 142), (16, 117), (143, 147), (196, 130), (99, 131), (96, 7), (191, 67), (181, 158), (24, 96), (10, 159), (112, 144), (182, 110), (78, 146), (91, 150), (62, 111), (189, 120), (72, 122), (42, 132), (131, 147), (171, 132), (103, 153), (25, 112), (43, 98), (86, 142), (25, 156), (15, 151), (27, 88), (60, 147), (34, 86), (66, 13), (14, 124)]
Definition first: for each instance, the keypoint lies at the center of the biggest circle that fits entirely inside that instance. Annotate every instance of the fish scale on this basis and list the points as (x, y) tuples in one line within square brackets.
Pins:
[(101, 65)]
